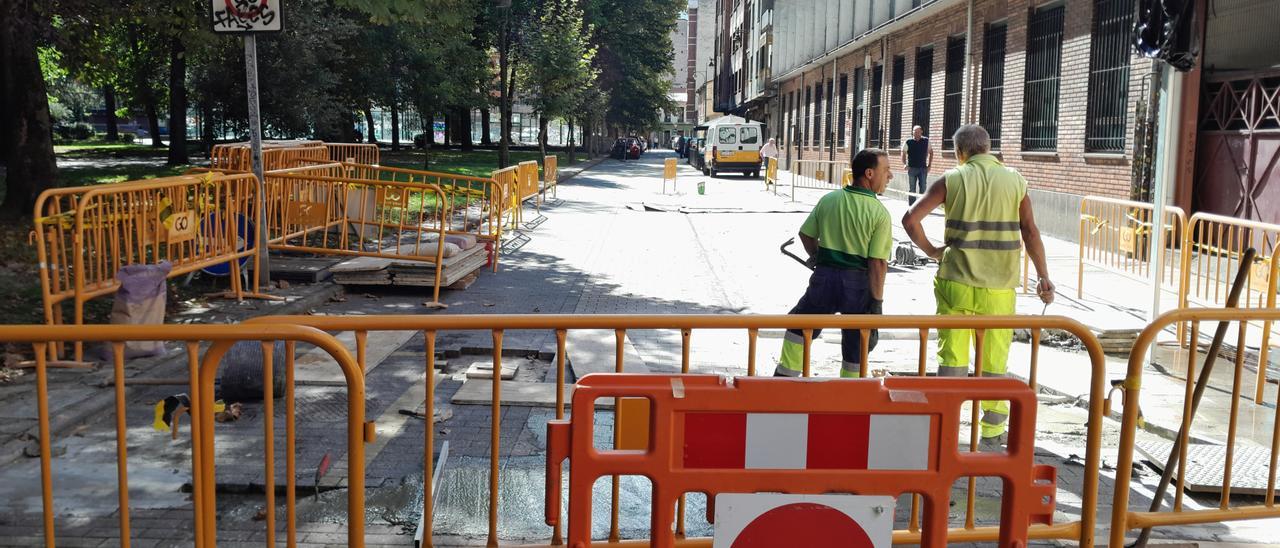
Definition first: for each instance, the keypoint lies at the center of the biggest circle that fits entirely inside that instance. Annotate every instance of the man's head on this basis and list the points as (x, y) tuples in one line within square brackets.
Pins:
[(971, 140), (917, 132), (870, 168), (772, 140)]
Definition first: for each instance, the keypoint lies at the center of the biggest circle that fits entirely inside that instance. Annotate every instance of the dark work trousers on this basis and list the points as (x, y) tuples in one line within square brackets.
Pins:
[(831, 291)]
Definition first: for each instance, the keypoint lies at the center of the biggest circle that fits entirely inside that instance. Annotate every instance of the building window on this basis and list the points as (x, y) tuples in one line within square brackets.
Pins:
[(1044, 66), (858, 104), (786, 113), (873, 122), (817, 114), (895, 102), (923, 90), (991, 102), (804, 122), (1108, 76), (954, 84), (844, 112), (826, 120)]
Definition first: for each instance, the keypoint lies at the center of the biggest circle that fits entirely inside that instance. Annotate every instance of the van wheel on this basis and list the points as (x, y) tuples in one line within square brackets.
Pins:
[(712, 172)]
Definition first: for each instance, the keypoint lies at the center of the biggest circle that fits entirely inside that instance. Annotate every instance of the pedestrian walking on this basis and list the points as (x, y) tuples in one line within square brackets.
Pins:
[(848, 237), (769, 150), (987, 212), (917, 155)]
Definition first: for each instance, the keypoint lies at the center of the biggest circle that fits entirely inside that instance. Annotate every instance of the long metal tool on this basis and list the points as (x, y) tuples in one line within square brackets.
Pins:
[(788, 253), (1202, 382)]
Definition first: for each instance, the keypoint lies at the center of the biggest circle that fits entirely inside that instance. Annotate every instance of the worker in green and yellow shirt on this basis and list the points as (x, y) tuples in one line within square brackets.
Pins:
[(848, 236), (988, 220)]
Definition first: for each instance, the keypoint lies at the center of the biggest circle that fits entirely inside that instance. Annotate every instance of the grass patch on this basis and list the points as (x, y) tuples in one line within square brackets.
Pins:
[(476, 163), (99, 146)]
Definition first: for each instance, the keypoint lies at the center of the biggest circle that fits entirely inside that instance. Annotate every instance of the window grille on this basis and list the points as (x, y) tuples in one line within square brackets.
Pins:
[(923, 90), (953, 90), (828, 138), (858, 104), (804, 122), (817, 115), (1108, 76), (874, 121), (844, 112), (1044, 66), (992, 100), (895, 102)]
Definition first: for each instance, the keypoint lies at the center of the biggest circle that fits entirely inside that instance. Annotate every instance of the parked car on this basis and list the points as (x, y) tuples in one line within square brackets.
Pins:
[(619, 149), (635, 149), (695, 153)]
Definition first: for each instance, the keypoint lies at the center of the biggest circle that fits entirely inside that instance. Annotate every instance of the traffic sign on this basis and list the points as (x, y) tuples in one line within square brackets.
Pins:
[(245, 16), (815, 521)]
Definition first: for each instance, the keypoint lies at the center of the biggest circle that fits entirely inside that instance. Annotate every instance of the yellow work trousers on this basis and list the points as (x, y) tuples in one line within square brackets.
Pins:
[(953, 344)]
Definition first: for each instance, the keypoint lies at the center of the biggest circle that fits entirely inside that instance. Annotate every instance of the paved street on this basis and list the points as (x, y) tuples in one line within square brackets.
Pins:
[(612, 244)]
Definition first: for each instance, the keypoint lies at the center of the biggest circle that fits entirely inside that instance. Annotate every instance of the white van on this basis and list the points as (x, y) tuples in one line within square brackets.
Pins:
[(733, 144)]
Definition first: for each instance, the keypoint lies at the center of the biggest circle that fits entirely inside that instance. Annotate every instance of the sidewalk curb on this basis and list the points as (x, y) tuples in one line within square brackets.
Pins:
[(172, 365), (585, 166)]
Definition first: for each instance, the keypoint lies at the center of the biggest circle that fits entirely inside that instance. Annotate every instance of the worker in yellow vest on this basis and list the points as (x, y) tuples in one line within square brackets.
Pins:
[(848, 236), (987, 212)]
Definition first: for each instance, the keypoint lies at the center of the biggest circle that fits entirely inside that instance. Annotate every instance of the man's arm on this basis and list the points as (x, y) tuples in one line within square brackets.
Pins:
[(929, 164), (810, 247), (902, 152), (877, 270), (933, 197), (1035, 249)]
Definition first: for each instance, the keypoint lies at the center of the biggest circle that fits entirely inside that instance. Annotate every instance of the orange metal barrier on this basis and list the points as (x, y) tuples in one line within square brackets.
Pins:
[(202, 373), (771, 174), (550, 176), (320, 209), (359, 153), (526, 189), (1123, 519), (507, 180), (1211, 255), (84, 235), (676, 463), (275, 155), (817, 174), (1114, 236), (688, 326), (668, 174)]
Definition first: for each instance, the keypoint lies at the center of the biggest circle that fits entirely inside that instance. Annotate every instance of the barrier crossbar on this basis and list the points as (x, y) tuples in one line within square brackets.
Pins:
[(1123, 519), (359, 153), (202, 371), (671, 462), (751, 326), (275, 155), (85, 235), (1114, 236)]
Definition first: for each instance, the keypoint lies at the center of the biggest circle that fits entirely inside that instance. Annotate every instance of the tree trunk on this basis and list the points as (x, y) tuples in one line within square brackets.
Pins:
[(178, 103), (26, 130), (395, 127), (153, 117), (113, 125), (448, 127), (430, 131), (463, 118), (206, 126), (504, 74), (485, 140), (569, 157), (370, 136), (542, 135)]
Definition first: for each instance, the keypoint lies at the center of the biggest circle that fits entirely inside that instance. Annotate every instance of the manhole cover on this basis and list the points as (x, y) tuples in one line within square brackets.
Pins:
[(1206, 463)]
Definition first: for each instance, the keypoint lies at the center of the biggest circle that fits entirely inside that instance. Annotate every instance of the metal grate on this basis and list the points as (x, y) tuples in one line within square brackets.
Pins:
[(992, 100), (858, 104), (1044, 66), (806, 137), (877, 86), (826, 120), (895, 102), (844, 112), (817, 115), (786, 119), (1108, 76), (923, 90), (953, 90)]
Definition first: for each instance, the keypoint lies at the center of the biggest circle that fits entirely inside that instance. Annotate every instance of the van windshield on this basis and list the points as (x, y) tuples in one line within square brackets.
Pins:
[(750, 135), (728, 135)]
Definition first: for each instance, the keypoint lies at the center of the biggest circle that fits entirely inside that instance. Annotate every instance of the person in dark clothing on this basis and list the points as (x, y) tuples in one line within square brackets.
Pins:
[(918, 157)]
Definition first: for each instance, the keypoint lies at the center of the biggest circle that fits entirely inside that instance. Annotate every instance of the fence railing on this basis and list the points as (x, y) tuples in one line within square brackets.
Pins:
[(85, 235), (358, 153), (278, 155), (819, 174), (1123, 519), (1114, 235), (202, 372), (688, 327), (550, 176)]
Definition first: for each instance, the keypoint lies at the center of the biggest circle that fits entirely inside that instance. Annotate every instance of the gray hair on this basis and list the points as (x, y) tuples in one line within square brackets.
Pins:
[(971, 139)]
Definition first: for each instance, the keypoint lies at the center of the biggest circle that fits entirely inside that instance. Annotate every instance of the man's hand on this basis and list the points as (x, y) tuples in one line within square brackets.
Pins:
[(934, 252), (1045, 290), (811, 262)]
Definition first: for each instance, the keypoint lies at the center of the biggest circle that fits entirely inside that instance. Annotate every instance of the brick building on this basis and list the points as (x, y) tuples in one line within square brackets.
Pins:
[(1055, 83)]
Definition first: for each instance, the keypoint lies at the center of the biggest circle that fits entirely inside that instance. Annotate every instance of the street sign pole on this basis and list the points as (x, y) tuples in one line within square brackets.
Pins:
[(255, 146)]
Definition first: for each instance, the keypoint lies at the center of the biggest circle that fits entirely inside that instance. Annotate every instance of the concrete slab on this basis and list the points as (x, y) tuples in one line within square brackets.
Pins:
[(316, 367), (533, 394), (482, 370), (595, 351)]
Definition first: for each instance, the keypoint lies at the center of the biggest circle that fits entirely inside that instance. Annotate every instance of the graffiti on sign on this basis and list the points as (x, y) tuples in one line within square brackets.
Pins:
[(238, 16)]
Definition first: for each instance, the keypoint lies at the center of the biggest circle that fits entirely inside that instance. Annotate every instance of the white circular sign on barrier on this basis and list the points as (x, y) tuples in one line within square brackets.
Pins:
[(243, 16), (767, 520)]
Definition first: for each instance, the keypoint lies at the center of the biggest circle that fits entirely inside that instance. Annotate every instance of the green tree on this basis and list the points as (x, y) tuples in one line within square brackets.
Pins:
[(26, 130), (557, 67), (634, 40)]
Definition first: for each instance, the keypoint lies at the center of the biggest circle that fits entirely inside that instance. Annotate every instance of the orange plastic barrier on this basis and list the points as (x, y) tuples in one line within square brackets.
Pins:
[(689, 451), (84, 235)]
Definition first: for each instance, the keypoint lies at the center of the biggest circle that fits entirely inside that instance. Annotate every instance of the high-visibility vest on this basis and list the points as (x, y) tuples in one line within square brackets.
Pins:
[(983, 234)]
